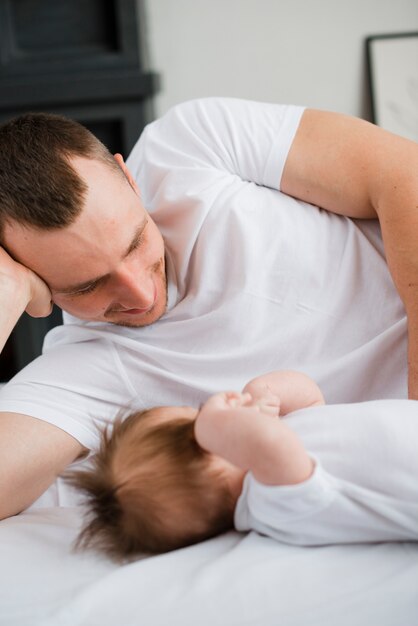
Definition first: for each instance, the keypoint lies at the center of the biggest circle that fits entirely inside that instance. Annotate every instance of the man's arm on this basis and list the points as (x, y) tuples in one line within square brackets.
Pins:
[(294, 389), (351, 167), (32, 452), (230, 427)]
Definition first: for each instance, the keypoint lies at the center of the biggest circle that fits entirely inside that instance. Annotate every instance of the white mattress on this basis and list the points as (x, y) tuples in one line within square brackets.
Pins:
[(232, 580)]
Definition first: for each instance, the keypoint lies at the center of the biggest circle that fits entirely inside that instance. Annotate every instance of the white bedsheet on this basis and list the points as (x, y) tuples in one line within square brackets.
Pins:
[(232, 580)]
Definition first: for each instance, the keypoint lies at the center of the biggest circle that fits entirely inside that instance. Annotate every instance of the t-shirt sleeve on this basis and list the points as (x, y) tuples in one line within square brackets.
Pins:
[(247, 139), (77, 387), (325, 510)]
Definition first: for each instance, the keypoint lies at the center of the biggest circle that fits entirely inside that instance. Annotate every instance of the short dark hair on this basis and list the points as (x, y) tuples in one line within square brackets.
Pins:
[(38, 185)]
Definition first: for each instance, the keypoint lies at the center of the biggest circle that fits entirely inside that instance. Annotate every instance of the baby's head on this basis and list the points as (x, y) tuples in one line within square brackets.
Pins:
[(152, 488)]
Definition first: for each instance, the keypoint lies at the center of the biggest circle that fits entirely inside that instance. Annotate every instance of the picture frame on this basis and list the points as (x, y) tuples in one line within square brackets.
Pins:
[(393, 78)]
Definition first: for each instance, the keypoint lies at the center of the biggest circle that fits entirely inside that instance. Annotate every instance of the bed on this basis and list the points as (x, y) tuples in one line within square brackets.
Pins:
[(235, 579)]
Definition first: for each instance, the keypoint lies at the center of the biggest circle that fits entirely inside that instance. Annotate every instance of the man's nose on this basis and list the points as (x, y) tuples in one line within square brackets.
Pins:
[(134, 289)]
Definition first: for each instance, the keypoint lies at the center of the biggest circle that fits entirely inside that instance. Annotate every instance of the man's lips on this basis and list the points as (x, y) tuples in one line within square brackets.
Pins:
[(134, 311)]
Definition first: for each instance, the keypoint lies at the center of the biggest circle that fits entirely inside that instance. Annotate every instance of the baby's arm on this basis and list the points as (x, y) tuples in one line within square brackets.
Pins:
[(295, 390), (252, 439)]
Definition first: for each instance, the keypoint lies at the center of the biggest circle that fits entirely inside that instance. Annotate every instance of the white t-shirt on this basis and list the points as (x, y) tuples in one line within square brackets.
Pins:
[(257, 281), (364, 486)]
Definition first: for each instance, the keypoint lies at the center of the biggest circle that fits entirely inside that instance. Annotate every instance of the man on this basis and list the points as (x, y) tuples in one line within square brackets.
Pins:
[(209, 276)]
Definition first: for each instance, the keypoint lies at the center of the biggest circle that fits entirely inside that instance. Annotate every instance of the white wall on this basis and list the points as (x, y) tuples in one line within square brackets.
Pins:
[(294, 51)]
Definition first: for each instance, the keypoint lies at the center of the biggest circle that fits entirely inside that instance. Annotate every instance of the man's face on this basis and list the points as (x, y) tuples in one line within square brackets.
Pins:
[(109, 264)]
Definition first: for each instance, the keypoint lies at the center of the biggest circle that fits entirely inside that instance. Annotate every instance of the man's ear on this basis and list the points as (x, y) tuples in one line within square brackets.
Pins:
[(119, 160)]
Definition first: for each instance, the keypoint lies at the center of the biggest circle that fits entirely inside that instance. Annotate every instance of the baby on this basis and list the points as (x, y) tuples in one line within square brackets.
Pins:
[(169, 477)]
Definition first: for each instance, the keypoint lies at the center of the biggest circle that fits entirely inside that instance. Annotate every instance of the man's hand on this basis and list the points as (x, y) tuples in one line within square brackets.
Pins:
[(20, 281)]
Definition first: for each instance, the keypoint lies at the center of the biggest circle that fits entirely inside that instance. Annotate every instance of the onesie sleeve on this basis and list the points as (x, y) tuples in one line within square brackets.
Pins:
[(326, 510), (243, 138)]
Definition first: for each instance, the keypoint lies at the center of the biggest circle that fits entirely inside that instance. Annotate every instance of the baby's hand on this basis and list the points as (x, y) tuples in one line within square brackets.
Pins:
[(266, 402), (227, 400), (263, 397)]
